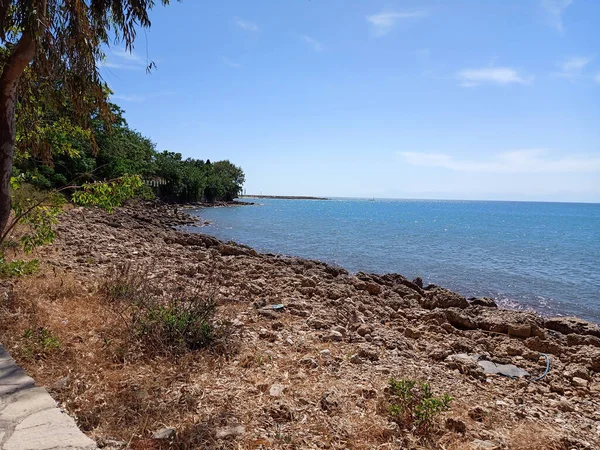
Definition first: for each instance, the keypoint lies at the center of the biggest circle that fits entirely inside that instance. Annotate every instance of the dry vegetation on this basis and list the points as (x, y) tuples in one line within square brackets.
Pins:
[(252, 382)]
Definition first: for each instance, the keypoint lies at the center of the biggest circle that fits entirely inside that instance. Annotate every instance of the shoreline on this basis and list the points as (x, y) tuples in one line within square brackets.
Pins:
[(285, 197), (326, 355)]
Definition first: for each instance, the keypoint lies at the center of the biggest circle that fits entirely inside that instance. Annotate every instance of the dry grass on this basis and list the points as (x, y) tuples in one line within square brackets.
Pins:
[(115, 390)]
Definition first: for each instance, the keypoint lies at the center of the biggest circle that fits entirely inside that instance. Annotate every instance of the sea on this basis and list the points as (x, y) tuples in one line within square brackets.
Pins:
[(525, 255)]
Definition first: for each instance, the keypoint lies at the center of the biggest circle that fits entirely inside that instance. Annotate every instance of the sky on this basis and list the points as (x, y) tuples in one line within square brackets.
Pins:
[(461, 99)]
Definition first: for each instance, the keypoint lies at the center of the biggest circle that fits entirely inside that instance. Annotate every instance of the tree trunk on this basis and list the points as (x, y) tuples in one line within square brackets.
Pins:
[(19, 59)]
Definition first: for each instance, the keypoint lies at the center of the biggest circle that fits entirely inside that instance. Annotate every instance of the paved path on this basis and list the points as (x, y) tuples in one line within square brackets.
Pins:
[(29, 417)]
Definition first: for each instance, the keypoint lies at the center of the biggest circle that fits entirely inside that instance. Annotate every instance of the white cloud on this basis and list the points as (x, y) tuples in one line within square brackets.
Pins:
[(554, 10), (520, 161), (121, 58), (245, 24), (230, 63), (385, 22), (130, 98), (316, 45), (597, 78), (491, 75), (573, 67)]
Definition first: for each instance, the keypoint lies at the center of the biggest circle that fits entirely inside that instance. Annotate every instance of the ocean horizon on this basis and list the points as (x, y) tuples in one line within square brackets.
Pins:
[(536, 255)]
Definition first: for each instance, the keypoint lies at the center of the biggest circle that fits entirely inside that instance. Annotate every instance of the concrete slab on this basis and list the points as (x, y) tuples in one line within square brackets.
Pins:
[(29, 416)]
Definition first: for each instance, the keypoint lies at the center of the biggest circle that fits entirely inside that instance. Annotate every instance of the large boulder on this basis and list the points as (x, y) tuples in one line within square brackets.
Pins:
[(438, 297), (572, 325)]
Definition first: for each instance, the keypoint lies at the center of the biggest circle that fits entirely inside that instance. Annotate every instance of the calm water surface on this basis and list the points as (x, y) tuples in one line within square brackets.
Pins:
[(544, 256)]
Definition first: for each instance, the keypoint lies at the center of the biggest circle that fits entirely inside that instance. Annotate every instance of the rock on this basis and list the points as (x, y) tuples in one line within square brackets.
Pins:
[(373, 289), (334, 336), (460, 320), (326, 354), (466, 365), (276, 390), (483, 301), (309, 362), (368, 353), (458, 426), (340, 330), (164, 434), (579, 382), (356, 359), (478, 444), (363, 330), (268, 313), (231, 432), (521, 330), (572, 325), (317, 324), (439, 297), (413, 333)]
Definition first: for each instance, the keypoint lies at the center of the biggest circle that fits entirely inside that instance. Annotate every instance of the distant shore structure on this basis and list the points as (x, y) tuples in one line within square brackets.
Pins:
[(284, 197)]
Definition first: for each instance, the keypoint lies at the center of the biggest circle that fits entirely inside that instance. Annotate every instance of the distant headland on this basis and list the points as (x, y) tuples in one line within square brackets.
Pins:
[(284, 197)]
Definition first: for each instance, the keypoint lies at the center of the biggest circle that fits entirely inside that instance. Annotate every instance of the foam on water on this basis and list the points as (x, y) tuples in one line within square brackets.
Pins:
[(544, 256)]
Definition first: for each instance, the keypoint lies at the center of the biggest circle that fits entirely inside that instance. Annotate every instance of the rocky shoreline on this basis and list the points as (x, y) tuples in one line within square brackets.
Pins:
[(315, 369)]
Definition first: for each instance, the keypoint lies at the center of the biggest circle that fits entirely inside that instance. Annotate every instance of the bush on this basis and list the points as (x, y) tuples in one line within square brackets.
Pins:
[(164, 323), (411, 404), (124, 284), (183, 324), (39, 342), (17, 268)]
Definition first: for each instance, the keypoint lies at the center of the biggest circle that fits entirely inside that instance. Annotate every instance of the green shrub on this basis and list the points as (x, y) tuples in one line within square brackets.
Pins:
[(124, 284), (38, 342), (164, 323), (182, 324), (17, 268), (411, 404)]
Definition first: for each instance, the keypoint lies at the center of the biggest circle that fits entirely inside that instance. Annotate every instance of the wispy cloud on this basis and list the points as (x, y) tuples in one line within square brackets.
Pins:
[(316, 45), (520, 161), (230, 62), (572, 68), (553, 11), (385, 22), (491, 75), (120, 58), (597, 78), (245, 24), (139, 98), (130, 98)]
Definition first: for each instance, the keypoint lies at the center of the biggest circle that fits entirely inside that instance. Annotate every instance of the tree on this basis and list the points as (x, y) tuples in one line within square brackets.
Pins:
[(60, 42)]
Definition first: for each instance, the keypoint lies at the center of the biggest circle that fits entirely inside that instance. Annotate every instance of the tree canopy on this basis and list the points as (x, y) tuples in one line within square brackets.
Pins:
[(59, 43)]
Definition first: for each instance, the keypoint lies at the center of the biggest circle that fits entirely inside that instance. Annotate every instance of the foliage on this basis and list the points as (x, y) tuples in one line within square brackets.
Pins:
[(118, 151), (164, 323), (17, 268), (38, 212), (180, 325), (107, 195), (39, 342), (193, 180), (123, 284), (412, 404)]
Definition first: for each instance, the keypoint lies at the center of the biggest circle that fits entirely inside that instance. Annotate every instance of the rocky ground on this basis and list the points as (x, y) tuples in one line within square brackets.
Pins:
[(312, 374)]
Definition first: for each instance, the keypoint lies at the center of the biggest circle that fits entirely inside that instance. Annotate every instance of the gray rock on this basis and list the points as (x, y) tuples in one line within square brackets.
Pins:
[(164, 434), (231, 432)]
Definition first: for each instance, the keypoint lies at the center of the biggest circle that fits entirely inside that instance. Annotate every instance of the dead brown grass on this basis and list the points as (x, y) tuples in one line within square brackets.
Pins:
[(115, 390)]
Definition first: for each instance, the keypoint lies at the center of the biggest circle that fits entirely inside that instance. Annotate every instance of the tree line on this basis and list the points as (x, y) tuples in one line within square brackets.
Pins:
[(112, 150)]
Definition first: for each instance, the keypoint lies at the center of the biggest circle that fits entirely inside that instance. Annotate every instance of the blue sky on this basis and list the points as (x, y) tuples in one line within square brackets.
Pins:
[(461, 99)]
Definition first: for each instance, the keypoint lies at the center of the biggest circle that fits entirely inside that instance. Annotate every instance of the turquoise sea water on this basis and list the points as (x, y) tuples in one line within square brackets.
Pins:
[(544, 256)]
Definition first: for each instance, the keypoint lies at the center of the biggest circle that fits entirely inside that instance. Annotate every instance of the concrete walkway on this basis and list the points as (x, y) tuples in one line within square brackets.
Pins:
[(30, 418)]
